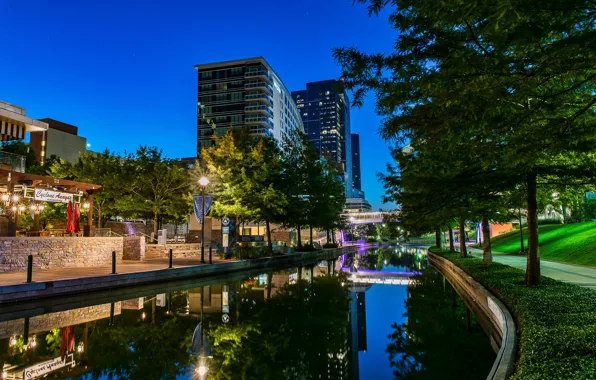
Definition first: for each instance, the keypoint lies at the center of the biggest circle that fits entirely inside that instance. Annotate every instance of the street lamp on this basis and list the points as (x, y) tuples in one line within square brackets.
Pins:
[(203, 181)]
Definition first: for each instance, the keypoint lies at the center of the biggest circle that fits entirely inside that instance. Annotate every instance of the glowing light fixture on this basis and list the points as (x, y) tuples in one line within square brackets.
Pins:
[(203, 181)]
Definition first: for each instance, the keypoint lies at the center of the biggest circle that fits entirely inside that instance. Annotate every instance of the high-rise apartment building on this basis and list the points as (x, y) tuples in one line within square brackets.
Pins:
[(243, 93), (356, 180), (325, 110)]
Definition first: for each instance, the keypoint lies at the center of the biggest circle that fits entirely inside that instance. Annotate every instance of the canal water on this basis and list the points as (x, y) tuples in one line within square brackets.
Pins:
[(380, 314)]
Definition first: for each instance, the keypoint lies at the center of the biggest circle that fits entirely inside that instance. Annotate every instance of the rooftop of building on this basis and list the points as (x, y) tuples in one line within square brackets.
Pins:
[(16, 115), (61, 126), (234, 62)]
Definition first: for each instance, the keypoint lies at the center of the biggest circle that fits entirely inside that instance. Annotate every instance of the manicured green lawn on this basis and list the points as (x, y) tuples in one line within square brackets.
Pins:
[(570, 243)]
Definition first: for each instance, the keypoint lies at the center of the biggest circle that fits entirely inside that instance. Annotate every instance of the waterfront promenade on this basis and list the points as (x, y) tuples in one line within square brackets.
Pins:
[(65, 281)]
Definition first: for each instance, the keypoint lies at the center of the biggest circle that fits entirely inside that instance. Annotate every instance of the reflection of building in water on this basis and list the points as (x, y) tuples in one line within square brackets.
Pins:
[(357, 330), (217, 299)]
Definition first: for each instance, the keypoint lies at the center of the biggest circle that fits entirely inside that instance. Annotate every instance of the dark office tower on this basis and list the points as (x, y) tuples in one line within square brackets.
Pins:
[(356, 161), (325, 110), (243, 93)]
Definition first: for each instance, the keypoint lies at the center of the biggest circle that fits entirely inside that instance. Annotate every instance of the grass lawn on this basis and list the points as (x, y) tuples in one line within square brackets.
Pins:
[(570, 243)]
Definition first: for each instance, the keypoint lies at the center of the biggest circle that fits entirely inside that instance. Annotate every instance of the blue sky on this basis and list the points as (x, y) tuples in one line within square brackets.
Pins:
[(123, 71)]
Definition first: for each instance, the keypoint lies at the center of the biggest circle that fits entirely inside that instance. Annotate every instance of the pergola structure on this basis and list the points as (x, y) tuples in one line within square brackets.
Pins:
[(37, 188)]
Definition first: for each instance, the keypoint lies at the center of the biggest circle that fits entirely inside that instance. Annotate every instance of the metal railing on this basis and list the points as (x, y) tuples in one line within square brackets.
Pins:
[(15, 161)]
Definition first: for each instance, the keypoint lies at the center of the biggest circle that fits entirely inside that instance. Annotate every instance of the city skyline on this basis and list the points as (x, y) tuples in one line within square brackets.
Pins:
[(132, 83)]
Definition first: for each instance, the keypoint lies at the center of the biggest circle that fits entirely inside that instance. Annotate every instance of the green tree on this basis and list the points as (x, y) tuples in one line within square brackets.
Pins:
[(106, 169), (156, 182), (510, 79)]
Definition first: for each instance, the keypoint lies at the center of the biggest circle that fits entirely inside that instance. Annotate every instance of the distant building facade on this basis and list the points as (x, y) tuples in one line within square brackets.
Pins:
[(60, 140), (243, 93), (325, 111), (356, 180), (354, 205)]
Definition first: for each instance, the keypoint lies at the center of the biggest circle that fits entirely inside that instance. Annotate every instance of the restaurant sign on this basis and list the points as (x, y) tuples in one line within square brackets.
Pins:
[(52, 196), (46, 367)]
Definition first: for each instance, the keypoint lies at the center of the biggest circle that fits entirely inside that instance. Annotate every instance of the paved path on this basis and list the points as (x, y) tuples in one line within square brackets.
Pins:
[(39, 275), (572, 274)]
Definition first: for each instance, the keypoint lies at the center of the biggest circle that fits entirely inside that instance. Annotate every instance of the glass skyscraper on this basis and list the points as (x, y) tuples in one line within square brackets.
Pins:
[(325, 111), (243, 93)]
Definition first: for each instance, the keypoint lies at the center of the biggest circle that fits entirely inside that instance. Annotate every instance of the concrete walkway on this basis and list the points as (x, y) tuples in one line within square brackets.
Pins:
[(40, 275), (572, 274)]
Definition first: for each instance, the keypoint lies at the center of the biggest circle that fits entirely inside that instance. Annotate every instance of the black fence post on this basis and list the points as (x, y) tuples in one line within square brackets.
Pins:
[(210, 255), (29, 268), (171, 258), (113, 262)]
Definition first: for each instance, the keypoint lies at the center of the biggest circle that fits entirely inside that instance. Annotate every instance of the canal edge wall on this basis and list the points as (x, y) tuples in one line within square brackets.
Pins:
[(491, 313), (48, 289)]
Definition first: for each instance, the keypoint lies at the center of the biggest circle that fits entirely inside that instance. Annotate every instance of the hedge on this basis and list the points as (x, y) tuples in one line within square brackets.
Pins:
[(556, 321)]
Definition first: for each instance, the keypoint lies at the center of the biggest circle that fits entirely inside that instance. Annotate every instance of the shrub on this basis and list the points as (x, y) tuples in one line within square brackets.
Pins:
[(306, 248), (556, 321), (330, 245), (544, 222), (244, 253)]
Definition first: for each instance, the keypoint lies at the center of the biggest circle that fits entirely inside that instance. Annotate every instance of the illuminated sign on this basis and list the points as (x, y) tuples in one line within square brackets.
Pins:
[(48, 366), (52, 196)]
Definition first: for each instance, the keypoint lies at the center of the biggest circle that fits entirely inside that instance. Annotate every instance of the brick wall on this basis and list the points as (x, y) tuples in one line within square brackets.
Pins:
[(58, 252), (133, 248), (46, 322), (155, 251)]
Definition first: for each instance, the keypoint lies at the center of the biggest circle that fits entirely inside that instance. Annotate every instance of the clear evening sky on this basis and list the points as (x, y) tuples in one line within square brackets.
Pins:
[(123, 70)]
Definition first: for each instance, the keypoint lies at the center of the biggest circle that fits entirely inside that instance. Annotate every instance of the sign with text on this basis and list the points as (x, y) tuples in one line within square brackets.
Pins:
[(46, 367), (52, 196)]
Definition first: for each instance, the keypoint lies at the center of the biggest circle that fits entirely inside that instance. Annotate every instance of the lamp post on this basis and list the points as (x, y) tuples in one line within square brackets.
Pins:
[(203, 181)]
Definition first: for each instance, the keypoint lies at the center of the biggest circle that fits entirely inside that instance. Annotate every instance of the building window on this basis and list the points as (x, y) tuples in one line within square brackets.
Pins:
[(207, 74)]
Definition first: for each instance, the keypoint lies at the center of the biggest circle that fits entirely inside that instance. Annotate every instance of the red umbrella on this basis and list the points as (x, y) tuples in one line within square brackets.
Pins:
[(69, 219), (67, 341), (77, 217)]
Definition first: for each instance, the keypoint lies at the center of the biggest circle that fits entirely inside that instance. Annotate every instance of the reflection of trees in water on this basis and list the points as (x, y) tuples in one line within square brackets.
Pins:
[(157, 348), (295, 335), (379, 258), (434, 342)]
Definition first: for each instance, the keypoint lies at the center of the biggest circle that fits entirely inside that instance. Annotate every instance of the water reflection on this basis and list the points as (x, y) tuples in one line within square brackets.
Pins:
[(322, 321)]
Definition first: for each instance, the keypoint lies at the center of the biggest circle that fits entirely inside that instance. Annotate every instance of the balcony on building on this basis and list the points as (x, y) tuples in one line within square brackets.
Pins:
[(259, 120), (262, 75), (259, 85), (257, 97), (258, 109)]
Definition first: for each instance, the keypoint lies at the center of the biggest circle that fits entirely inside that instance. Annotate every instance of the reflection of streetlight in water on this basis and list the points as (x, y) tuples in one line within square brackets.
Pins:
[(200, 345)]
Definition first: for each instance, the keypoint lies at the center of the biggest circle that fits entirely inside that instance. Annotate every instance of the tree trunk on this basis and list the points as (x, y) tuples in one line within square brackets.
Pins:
[(521, 233), (269, 279), (438, 240), (310, 235), (269, 242), (99, 215), (451, 245), (533, 262), (333, 240), (299, 236), (462, 237), (487, 255), (155, 221), (328, 236)]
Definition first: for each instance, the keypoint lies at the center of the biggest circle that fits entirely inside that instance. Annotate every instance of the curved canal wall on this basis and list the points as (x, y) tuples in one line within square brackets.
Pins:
[(491, 313)]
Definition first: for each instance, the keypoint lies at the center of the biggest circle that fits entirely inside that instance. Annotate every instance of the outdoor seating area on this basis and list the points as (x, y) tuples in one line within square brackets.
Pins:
[(24, 196)]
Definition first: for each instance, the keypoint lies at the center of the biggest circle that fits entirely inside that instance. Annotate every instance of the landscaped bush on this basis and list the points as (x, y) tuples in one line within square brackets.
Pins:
[(330, 245), (544, 222), (306, 248), (244, 253), (556, 321)]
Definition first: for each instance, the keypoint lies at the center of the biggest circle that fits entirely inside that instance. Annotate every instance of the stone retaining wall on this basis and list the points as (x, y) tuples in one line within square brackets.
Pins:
[(134, 248), (490, 312), (58, 252), (159, 251), (46, 322)]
